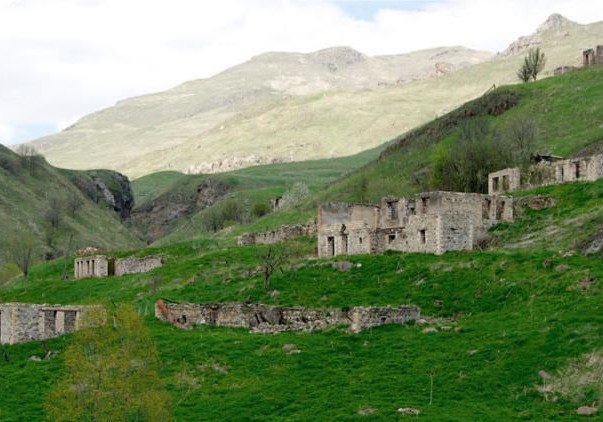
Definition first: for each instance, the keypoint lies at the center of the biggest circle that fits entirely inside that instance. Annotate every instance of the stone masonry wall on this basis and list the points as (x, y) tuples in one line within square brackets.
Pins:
[(91, 266), (20, 322), (133, 265), (578, 169), (281, 234), (267, 318)]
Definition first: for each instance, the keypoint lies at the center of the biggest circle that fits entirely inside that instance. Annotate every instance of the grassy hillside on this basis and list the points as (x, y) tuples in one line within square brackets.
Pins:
[(500, 317), (566, 111), (31, 187)]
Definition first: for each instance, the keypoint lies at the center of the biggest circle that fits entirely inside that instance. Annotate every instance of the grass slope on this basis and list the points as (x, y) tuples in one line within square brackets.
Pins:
[(517, 313), (24, 199)]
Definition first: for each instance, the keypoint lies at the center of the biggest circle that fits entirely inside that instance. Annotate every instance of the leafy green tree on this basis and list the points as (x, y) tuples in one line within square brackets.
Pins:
[(20, 248), (111, 373), (533, 64)]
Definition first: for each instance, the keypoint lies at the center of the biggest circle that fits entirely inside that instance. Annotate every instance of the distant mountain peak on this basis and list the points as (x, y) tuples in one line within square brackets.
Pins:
[(555, 21)]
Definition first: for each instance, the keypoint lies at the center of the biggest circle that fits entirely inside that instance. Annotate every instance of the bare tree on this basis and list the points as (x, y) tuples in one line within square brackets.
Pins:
[(74, 202), (28, 157), (272, 260), (20, 248)]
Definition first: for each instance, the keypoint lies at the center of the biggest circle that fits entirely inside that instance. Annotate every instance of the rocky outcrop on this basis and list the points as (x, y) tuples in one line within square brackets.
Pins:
[(109, 187), (556, 25)]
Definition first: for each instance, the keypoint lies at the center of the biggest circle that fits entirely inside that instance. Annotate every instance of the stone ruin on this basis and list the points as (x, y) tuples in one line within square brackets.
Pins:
[(546, 170), (592, 56), (273, 319), (431, 222), (22, 322), (103, 266), (281, 234)]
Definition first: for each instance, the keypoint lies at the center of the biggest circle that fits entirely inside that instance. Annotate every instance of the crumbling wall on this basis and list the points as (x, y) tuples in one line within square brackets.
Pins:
[(133, 265), (548, 173), (91, 266), (281, 234), (268, 319), (22, 322)]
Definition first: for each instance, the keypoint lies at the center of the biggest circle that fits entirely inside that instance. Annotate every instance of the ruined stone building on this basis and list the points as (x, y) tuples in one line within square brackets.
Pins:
[(21, 322), (592, 56), (281, 234), (547, 170), (432, 222), (103, 266), (271, 319)]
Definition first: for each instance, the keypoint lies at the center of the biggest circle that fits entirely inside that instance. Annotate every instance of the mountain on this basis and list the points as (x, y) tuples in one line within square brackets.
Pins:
[(275, 107), (281, 107)]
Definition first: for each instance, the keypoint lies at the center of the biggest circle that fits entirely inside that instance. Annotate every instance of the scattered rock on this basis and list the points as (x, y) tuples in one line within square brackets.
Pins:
[(343, 266), (547, 263), (275, 293), (409, 411), (458, 329), (429, 330), (366, 411), (587, 410), (446, 328), (561, 268), (421, 321), (536, 202), (359, 265), (544, 375), (35, 358), (585, 283), (472, 352), (291, 349), (438, 303)]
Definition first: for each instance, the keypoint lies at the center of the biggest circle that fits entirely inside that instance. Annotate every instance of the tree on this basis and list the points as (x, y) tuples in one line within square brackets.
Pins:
[(111, 373), (21, 248), (73, 202), (273, 259), (29, 157), (532, 65)]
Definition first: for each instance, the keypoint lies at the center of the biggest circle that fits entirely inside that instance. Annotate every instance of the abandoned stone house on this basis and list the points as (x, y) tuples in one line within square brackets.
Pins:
[(592, 56), (103, 266), (547, 170), (22, 322), (271, 319), (431, 222)]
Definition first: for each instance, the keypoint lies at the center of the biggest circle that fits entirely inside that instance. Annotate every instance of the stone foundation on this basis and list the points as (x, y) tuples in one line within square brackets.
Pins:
[(279, 235), (103, 266), (134, 265), (21, 322), (271, 319)]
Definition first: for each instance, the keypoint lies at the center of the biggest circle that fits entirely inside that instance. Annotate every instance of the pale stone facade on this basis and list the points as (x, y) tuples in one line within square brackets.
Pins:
[(103, 266), (91, 266), (22, 322), (269, 319), (592, 56), (133, 265), (431, 222), (547, 172)]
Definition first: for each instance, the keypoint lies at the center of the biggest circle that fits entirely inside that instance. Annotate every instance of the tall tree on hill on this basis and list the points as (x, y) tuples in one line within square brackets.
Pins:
[(533, 65), (21, 249)]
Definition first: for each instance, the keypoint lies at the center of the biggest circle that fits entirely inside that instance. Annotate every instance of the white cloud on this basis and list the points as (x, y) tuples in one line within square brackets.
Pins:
[(66, 58)]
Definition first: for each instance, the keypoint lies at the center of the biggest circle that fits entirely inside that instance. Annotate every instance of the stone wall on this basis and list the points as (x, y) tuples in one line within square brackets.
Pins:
[(133, 265), (268, 319), (281, 234), (20, 322), (91, 266), (547, 173), (592, 56), (431, 222)]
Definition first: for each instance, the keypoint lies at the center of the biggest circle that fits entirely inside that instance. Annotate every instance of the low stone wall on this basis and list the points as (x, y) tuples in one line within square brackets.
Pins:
[(279, 235), (22, 322), (133, 265), (271, 319)]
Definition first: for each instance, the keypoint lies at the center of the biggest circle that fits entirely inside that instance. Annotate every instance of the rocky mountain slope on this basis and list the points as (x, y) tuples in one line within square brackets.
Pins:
[(282, 107), (230, 120), (55, 209)]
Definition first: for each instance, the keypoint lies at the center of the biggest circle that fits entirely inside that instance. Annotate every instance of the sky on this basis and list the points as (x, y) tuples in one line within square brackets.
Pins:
[(63, 59)]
